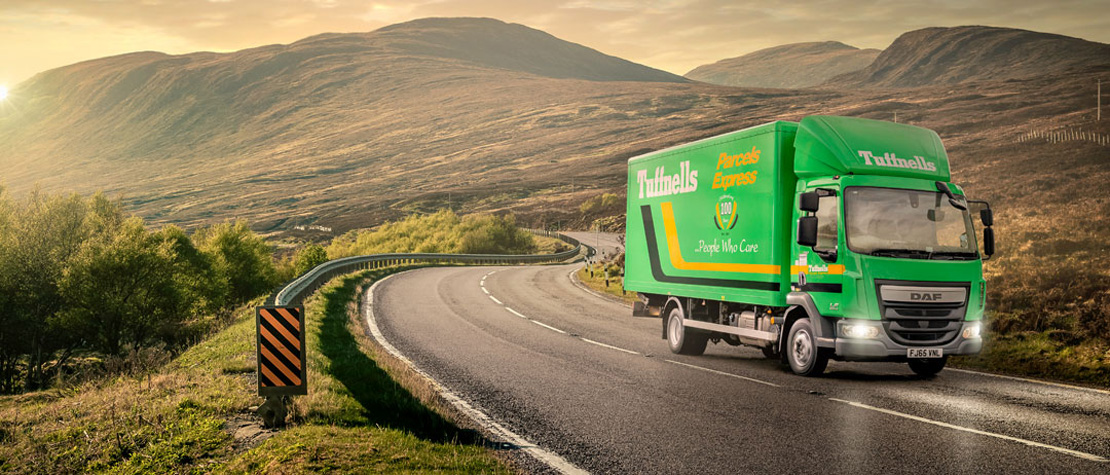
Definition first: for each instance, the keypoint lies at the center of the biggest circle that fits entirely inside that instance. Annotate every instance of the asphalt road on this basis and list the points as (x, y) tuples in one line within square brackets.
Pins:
[(601, 389), (605, 243)]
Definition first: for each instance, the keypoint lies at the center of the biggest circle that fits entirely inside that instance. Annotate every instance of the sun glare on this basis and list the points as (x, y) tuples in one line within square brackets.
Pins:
[(3, 92)]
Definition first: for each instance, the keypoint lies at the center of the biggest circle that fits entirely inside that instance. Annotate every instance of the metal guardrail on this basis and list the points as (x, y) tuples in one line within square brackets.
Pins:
[(295, 291)]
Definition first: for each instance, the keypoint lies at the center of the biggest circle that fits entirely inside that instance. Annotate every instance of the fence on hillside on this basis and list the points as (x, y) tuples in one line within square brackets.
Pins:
[(1064, 134)]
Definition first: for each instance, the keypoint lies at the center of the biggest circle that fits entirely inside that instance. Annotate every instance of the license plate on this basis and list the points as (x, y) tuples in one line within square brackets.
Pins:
[(925, 353)]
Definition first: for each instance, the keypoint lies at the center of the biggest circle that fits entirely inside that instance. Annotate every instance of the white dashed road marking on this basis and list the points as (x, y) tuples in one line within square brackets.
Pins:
[(722, 373), (611, 347), (1073, 453)]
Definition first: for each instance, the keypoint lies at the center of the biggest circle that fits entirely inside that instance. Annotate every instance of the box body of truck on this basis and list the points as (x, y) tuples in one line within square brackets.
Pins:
[(713, 243), (723, 233)]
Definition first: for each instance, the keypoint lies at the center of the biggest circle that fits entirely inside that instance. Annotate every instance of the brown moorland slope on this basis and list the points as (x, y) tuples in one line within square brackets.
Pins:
[(790, 66), (933, 56), (349, 130)]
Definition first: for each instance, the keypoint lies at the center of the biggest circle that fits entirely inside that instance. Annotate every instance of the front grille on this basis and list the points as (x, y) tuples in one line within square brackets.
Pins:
[(922, 323)]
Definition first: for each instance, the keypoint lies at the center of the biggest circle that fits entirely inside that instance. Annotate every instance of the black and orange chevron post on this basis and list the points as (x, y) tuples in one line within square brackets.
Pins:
[(281, 351)]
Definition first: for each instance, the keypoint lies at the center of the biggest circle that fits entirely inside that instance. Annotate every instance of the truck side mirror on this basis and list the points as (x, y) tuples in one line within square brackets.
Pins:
[(988, 241), (808, 202), (807, 230), (987, 216)]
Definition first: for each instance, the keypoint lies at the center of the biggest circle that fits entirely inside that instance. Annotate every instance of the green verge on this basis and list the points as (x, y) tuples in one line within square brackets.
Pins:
[(1043, 355), (597, 283), (356, 418), (169, 421)]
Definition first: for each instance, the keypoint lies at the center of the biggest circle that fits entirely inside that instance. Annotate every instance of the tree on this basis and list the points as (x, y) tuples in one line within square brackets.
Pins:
[(240, 257), (121, 289), (195, 272), (309, 257), (43, 233)]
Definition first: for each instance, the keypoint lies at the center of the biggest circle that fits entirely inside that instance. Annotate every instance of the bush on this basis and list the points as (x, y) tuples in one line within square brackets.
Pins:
[(309, 257), (240, 257), (443, 232), (78, 275), (599, 203)]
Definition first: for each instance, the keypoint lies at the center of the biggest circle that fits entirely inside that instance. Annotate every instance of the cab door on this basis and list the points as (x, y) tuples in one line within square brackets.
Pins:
[(817, 268)]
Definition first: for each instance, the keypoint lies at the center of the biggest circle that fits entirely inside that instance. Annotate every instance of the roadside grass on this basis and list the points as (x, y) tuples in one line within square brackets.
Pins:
[(170, 421), (597, 283), (1043, 355), (550, 245), (179, 418), (356, 417)]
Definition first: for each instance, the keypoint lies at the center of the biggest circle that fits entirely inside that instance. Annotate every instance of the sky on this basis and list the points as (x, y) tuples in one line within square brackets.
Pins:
[(673, 35)]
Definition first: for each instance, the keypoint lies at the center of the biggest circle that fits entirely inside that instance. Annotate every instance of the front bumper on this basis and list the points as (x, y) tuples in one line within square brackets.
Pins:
[(882, 347)]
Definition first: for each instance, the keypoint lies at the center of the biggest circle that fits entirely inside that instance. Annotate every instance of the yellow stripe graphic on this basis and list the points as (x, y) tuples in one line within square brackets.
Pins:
[(679, 263)]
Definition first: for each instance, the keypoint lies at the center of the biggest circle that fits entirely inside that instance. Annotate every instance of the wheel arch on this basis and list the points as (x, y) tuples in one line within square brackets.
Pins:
[(802, 306), (672, 301)]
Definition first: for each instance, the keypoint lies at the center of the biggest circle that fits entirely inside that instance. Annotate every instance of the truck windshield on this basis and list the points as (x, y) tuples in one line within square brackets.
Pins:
[(906, 223)]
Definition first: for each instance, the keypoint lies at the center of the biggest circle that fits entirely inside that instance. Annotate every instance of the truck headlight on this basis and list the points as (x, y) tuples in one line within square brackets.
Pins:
[(860, 330), (972, 331)]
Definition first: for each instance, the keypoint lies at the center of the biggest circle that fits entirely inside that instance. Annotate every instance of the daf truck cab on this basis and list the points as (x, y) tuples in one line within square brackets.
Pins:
[(832, 238)]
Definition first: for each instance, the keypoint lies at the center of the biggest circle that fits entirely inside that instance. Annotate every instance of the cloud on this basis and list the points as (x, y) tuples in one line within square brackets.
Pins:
[(675, 35)]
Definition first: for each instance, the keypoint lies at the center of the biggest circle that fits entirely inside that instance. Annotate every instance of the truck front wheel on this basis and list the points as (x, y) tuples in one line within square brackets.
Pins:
[(802, 353), (928, 366), (684, 341)]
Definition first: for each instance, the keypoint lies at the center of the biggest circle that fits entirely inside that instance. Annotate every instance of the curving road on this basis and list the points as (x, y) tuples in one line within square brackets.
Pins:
[(577, 375)]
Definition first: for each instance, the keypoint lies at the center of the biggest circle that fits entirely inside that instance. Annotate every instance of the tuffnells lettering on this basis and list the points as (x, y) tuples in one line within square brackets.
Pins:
[(891, 161), (685, 181)]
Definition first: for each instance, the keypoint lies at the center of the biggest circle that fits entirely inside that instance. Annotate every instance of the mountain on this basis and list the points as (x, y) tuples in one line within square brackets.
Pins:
[(495, 44), (790, 66), (934, 56), (349, 130), (344, 127)]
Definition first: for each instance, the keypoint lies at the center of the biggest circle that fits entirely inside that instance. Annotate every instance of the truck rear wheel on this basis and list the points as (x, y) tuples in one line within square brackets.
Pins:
[(684, 341), (802, 353), (928, 366)]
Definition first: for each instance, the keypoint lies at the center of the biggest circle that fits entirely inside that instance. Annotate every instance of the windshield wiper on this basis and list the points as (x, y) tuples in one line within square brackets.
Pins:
[(955, 255), (915, 253), (922, 254)]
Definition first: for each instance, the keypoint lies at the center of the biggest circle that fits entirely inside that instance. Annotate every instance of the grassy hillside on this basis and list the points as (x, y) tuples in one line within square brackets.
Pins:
[(934, 56), (790, 66)]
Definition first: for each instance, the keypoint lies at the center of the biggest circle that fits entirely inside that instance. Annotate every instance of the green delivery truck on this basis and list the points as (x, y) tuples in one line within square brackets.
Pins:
[(831, 238)]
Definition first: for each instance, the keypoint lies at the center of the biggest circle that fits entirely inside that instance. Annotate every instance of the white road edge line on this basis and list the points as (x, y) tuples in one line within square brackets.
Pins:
[(514, 312), (549, 458), (611, 347), (1073, 453), (549, 327), (484, 290), (1029, 380), (722, 373), (495, 300)]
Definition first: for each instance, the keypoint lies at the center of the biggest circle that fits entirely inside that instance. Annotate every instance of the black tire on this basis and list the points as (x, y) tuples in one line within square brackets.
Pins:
[(771, 352), (684, 341), (928, 366), (802, 353)]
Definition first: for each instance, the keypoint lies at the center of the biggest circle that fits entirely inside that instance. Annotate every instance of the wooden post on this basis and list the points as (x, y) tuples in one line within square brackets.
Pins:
[(1098, 117)]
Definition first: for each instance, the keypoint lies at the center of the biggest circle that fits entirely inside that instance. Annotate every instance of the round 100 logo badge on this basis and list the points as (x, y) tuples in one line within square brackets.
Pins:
[(725, 218)]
